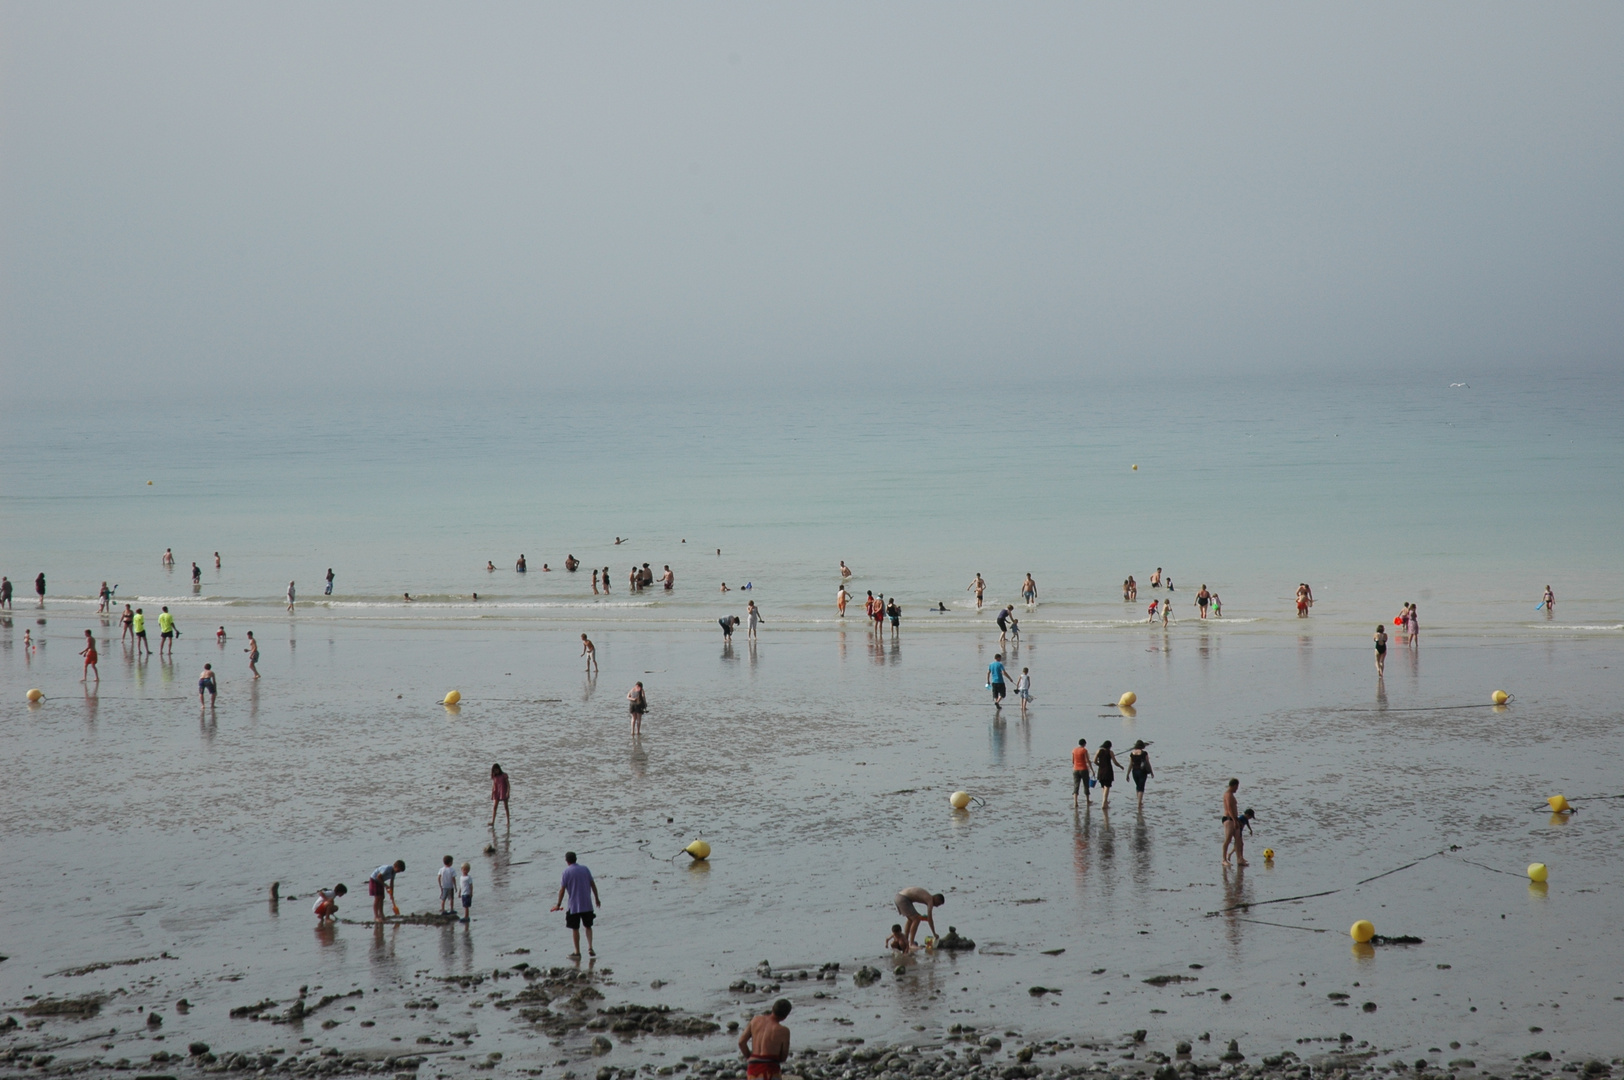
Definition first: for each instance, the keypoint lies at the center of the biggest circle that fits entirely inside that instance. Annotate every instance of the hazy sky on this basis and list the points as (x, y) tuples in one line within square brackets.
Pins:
[(280, 196)]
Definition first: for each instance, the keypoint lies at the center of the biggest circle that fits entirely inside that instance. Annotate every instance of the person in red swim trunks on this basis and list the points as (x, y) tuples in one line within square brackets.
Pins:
[(765, 1043)]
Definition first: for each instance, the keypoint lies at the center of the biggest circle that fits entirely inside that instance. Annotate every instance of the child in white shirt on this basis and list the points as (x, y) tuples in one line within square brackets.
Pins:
[(448, 889), (327, 903), (466, 886)]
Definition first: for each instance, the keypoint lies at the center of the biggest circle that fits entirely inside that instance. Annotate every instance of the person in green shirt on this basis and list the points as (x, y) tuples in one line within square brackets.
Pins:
[(166, 633), (139, 624)]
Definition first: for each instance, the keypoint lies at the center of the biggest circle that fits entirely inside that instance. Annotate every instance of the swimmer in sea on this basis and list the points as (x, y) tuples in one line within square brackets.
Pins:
[(1156, 579), (520, 565), (594, 581), (842, 598), (1202, 599), (606, 581), (979, 587), (406, 596), (940, 606), (1029, 590), (668, 579), (725, 588), (845, 571), (490, 567), (1133, 588), (1549, 600)]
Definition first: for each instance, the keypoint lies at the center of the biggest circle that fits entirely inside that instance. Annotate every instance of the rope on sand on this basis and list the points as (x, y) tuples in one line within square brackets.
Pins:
[(1309, 896), (1377, 877), (1422, 708)]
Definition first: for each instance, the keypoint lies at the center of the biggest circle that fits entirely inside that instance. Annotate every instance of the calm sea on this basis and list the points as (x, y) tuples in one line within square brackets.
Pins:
[(1466, 499)]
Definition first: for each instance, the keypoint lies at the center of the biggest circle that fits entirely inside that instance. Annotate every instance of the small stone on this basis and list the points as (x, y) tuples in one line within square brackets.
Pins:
[(1182, 1049), (154, 1020), (992, 1042), (1233, 1053), (1369, 1006), (198, 1049), (1139, 1036), (601, 1044)]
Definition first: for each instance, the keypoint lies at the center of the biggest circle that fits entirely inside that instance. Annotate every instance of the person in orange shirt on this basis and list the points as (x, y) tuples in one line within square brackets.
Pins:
[(1079, 772), (765, 1043)]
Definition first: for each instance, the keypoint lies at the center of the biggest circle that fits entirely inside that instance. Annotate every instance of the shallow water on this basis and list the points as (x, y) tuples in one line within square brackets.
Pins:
[(818, 765)]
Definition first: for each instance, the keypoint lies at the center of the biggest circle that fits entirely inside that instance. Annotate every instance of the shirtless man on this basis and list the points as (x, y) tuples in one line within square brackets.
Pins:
[(668, 579), (842, 598), (906, 901), (765, 1043), (1029, 590), (1156, 579), (845, 571), (1232, 823), (520, 565), (169, 557), (590, 651), (978, 586)]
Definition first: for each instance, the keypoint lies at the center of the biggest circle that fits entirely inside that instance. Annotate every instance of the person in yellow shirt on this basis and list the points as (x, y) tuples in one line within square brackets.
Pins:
[(139, 625), (166, 633)]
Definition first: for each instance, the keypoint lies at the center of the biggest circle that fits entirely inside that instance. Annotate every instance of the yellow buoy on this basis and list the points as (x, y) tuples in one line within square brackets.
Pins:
[(1136, 468), (1537, 872), (1559, 803), (698, 850), (1362, 931), (1268, 853), (959, 799), (452, 698), (1499, 697), (1127, 699), (149, 483), (35, 695)]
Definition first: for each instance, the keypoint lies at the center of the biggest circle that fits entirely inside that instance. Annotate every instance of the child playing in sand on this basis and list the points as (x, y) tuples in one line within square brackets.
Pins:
[(1023, 688), (448, 889), (467, 889), (898, 941), (220, 636), (327, 902)]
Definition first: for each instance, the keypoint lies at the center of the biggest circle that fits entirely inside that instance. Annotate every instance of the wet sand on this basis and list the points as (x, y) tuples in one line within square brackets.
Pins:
[(818, 765)]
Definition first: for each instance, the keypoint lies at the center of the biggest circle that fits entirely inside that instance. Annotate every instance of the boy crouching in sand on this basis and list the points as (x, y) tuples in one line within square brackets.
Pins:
[(898, 941), (327, 902)]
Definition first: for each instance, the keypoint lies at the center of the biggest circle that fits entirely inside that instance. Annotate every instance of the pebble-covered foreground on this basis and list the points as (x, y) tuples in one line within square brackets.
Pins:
[(567, 1006)]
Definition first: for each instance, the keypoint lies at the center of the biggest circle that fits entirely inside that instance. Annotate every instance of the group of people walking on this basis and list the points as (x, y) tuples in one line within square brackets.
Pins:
[(1100, 771)]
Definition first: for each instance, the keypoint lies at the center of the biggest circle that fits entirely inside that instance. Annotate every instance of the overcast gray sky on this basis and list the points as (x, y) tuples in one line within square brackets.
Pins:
[(285, 194)]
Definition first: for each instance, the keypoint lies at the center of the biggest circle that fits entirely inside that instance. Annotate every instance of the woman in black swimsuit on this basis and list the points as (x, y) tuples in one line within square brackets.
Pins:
[(1139, 768), (1381, 650), (638, 705), (1103, 771)]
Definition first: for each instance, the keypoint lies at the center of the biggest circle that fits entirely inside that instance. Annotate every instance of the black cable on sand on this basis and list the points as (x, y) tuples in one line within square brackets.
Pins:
[(1328, 892), (1376, 877)]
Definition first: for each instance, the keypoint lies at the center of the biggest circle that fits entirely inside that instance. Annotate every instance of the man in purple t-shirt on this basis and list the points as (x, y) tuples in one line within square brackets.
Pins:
[(583, 896)]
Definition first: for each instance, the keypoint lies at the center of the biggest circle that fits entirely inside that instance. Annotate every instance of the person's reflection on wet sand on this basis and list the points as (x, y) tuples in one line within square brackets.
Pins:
[(326, 934), (1141, 849), (639, 758), (1079, 844), (997, 739), (1235, 894)]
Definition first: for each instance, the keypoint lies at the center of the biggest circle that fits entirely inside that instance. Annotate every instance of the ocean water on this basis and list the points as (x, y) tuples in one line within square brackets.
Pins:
[(1466, 500), (818, 760)]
